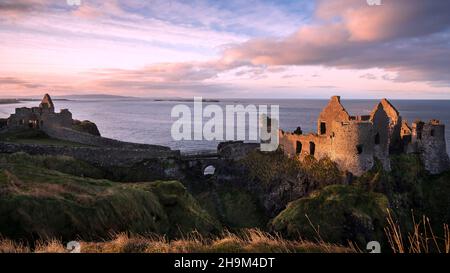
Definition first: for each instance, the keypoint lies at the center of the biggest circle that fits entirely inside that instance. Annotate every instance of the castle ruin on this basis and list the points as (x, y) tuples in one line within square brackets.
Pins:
[(63, 127), (355, 142), (41, 117)]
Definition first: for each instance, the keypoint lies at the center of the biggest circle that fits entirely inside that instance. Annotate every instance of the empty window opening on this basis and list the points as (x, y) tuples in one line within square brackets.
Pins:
[(323, 128), (33, 124), (359, 148), (210, 170), (432, 132), (377, 139), (312, 148), (298, 148)]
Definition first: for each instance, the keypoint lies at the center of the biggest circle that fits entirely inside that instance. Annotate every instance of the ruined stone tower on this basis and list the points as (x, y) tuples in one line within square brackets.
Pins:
[(428, 139)]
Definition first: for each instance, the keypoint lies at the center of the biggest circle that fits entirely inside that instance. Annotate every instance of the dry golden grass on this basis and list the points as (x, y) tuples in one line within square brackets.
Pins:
[(421, 239), (247, 241)]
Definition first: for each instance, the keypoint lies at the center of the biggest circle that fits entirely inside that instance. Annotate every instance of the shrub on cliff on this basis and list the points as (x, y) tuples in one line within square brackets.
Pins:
[(235, 207), (336, 213), (268, 168), (39, 202), (321, 172), (60, 163)]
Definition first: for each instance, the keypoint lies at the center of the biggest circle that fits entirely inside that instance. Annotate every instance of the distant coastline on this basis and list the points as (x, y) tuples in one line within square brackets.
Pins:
[(14, 101), (187, 100)]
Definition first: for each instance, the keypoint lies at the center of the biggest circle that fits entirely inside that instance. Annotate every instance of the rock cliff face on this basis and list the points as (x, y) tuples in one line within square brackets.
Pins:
[(86, 126), (276, 179)]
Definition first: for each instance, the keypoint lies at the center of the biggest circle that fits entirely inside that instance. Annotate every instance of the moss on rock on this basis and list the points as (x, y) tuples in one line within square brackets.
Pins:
[(337, 212)]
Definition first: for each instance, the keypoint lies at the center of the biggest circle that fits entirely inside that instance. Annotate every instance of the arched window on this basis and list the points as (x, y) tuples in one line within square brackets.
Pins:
[(209, 170)]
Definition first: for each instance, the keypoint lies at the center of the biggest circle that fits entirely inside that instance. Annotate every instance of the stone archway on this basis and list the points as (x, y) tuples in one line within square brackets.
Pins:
[(209, 170)]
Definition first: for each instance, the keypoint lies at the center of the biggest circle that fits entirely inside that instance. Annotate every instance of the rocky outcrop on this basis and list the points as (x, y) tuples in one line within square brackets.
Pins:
[(343, 213), (86, 126)]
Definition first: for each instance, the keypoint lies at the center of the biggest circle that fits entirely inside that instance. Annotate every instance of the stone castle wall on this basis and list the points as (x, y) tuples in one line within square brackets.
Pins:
[(428, 139), (350, 146), (69, 134), (356, 142), (104, 157)]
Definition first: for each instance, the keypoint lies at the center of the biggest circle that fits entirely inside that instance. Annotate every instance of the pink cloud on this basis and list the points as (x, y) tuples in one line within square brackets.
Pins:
[(352, 34)]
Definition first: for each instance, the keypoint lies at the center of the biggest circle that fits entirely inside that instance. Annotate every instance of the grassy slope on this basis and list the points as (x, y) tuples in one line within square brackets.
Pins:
[(36, 201), (338, 213)]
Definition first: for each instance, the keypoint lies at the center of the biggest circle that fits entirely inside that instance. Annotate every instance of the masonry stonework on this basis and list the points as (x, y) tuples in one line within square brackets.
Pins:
[(355, 142)]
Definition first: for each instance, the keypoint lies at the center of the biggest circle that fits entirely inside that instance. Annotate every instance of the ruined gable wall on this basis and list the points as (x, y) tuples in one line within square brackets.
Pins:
[(395, 124), (381, 135), (334, 111)]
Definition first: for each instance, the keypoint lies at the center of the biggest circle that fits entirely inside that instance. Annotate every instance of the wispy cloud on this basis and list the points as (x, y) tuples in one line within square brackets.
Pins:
[(211, 47)]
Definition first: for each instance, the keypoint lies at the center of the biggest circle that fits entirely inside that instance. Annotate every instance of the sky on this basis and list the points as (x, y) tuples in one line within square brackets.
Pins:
[(218, 49)]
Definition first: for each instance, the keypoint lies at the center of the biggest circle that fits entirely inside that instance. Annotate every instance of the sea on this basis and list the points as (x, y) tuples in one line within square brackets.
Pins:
[(145, 120)]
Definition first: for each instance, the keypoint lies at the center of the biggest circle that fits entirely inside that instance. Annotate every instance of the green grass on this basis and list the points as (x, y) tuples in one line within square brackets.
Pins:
[(234, 206), (36, 201)]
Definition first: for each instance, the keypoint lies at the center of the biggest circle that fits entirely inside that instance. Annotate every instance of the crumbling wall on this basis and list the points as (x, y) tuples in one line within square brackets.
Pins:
[(382, 134), (352, 146), (395, 125), (428, 139), (104, 157)]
